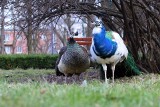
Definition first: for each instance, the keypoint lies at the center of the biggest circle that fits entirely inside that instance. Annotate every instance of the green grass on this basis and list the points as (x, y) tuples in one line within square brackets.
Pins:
[(139, 91), (20, 75)]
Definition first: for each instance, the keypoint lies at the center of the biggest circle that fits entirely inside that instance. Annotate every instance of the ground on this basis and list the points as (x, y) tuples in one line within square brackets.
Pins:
[(49, 76), (89, 75), (19, 75), (41, 88)]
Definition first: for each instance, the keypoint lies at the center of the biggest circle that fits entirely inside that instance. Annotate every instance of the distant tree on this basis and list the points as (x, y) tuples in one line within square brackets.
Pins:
[(24, 21), (3, 5), (137, 20)]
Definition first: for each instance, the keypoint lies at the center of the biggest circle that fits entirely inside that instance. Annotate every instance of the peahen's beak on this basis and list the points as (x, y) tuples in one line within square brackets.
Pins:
[(76, 33)]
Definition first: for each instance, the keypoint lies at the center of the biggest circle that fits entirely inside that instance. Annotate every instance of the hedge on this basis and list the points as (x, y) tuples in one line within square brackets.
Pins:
[(38, 61)]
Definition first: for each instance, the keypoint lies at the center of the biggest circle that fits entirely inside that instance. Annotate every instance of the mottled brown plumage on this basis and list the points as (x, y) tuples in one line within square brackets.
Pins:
[(62, 50), (73, 59)]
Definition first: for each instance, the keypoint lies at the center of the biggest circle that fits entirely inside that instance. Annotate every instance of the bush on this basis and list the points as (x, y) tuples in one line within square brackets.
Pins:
[(39, 61)]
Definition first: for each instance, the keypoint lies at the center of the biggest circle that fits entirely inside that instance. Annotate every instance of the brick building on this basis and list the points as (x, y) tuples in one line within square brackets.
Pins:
[(44, 42)]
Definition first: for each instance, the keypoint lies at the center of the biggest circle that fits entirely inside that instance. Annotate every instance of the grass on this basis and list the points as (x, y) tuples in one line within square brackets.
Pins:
[(139, 91), (20, 75)]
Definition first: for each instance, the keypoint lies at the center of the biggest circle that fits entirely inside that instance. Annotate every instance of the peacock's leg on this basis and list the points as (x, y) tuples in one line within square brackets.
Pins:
[(105, 71), (113, 69)]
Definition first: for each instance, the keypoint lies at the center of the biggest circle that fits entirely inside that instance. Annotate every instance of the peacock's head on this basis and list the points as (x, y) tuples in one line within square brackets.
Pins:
[(98, 23), (99, 27)]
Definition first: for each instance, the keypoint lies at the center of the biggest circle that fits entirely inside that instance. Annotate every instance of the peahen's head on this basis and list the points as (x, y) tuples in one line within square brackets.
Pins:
[(71, 40), (75, 33)]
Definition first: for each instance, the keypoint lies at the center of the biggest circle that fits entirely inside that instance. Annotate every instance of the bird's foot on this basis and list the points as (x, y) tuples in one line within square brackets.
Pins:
[(112, 81), (106, 81), (84, 83)]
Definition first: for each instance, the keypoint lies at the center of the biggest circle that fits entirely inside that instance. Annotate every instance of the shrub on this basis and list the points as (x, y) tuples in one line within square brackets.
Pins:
[(39, 61)]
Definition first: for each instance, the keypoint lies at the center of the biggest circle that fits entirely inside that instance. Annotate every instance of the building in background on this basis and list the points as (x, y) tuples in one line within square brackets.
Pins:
[(45, 40), (15, 42)]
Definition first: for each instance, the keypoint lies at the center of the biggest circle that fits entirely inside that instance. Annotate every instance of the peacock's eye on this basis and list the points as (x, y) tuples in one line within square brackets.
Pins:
[(97, 23)]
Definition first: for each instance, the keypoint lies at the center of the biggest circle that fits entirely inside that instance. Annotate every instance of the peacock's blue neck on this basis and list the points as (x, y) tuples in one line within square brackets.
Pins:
[(104, 46)]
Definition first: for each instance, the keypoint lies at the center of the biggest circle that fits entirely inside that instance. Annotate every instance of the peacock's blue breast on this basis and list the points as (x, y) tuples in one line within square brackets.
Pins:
[(104, 47)]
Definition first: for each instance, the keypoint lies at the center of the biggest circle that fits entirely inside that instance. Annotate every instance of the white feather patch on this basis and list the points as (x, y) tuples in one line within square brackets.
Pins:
[(96, 30)]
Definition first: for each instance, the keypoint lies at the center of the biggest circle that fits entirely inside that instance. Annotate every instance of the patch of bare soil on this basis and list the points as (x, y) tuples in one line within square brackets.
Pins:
[(89, 75)]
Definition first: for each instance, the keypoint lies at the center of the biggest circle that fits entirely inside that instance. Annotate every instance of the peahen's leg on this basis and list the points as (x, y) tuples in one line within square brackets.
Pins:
[(85, 75), (66, 76), (84, 83), (65, 79), (105, 71), (113, 69)]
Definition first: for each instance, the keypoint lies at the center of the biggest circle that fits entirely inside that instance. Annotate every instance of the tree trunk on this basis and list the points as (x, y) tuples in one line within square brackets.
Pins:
[(29, 30), (2, 36)]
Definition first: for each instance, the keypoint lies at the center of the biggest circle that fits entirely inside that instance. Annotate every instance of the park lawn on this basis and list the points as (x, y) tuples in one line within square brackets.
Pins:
[(138, 91)]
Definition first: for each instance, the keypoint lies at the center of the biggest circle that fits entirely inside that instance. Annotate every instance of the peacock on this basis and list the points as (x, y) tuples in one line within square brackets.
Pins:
[(107, 48), (73, 59)]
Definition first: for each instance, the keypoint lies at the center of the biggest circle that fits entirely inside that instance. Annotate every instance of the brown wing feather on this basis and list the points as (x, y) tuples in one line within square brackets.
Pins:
[(84, 49), (61, 52)]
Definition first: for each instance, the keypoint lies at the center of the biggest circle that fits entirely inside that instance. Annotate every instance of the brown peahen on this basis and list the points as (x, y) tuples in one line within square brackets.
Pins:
[(73, 59)]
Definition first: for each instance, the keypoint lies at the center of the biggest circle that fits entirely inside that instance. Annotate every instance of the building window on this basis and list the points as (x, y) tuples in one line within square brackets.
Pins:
[(18, 37), (43, 47), (8, 50), (19, 49), (43, 37), (6, 39)]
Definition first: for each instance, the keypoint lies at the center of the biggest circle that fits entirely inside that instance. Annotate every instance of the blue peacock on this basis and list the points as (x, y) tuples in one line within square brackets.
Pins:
[(73, 59), (107, 48)]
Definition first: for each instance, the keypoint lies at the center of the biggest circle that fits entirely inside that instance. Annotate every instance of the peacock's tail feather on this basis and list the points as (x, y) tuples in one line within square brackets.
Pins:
[(126, 68), (131, 66)]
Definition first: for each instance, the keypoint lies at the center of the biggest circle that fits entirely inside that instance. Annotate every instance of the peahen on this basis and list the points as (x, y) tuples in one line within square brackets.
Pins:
[(73, 59), (61, 52), (107, 48)]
